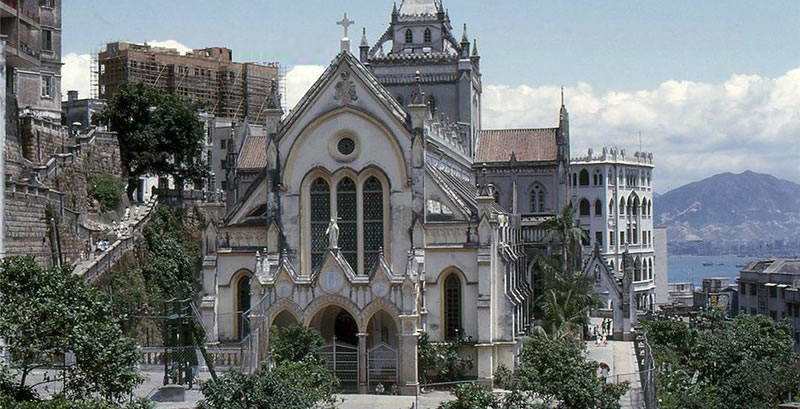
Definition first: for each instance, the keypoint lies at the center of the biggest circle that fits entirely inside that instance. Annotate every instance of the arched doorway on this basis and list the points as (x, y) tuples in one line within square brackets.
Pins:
[(242, 307), (340, 331), (284, 320), (382, 347)]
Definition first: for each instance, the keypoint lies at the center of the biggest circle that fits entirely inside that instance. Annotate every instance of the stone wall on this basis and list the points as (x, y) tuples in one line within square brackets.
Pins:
[(98, 154), (26, 224), (41, 138)]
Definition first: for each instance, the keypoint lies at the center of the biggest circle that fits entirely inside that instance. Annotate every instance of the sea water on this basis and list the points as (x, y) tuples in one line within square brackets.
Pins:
[(695, 268)]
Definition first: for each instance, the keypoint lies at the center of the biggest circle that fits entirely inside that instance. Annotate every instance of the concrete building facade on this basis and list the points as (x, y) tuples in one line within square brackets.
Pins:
[(613, 196), (230, 89), (772, 288)]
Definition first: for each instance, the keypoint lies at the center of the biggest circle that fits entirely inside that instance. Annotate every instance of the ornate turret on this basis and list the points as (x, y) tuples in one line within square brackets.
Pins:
[(363, 48), (464, 43)]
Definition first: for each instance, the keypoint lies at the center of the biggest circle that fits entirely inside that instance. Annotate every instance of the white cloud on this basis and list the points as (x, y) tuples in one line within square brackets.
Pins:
[(183, 49), (75, 74), (298, 80), (693, 129)]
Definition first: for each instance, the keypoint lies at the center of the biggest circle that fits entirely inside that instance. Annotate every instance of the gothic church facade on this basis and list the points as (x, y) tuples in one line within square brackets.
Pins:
[(383, 209)]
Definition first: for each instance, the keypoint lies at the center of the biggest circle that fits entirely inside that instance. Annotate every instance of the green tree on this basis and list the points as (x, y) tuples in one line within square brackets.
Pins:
[(300, 379), (106, 189), (557, 372), (47, 313), (442, 358), (565, 233), (748, 362), (293, 343), (567, 301), (158, 133)]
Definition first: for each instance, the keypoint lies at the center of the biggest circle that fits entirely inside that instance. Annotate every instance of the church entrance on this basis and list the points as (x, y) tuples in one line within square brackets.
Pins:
[(382, 341), (340, 332)]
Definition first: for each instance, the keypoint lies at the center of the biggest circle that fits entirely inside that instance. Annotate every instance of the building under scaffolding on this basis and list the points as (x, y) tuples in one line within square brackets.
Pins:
[(231, 90)]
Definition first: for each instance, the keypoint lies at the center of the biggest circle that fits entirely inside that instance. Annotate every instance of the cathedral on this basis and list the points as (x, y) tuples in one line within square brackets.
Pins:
[(381, 209)]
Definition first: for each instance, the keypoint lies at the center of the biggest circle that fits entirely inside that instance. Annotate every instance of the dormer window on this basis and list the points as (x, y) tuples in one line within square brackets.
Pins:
[(409, 36), (428, 37)]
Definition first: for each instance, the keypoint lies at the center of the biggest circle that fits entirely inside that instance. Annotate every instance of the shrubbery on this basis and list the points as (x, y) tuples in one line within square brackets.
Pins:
[(106, 189)]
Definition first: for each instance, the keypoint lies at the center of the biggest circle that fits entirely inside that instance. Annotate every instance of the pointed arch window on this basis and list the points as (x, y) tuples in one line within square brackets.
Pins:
[(243, 306), (320, 217), (373, 221), (537, 199), (452, 306), (598, 207), (585, 207), (584, 178), (610, 207), (346, 205), (409, 36), (428, 37)]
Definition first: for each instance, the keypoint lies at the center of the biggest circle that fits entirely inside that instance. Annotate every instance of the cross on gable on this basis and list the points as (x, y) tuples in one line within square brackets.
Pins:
[(346, 23)]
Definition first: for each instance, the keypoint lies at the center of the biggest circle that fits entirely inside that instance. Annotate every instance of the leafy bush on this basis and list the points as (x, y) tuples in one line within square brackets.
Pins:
[(294, 343), (503, 377), (300, 380), (106, 189), (471, 396), (442, 358)]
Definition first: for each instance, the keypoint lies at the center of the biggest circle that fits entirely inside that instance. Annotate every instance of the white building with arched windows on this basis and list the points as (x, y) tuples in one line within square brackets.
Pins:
[(613, 193), (383, 210)]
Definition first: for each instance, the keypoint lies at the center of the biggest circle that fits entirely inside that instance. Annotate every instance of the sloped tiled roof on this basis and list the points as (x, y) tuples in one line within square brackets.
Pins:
[(528, 145), (419, 8), (254, 153)]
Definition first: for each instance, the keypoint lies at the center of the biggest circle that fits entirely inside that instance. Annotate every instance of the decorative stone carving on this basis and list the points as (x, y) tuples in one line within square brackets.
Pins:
[(333, 234), (345, 90), (380, 289), (331, 281)]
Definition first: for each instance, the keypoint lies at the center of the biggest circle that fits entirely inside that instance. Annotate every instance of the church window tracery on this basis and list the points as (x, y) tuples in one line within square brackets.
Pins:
[(537, 199), (598, 207), (452, 306), (373, 221), (346, 205), (409, 36), (320, 217), (428, 37)]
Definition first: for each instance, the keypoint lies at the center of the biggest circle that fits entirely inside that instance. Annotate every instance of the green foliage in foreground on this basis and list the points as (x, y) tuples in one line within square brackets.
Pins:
[(553, 373), (45, 313), (442, 359), (106, 189), (300, 379), (748, 363)]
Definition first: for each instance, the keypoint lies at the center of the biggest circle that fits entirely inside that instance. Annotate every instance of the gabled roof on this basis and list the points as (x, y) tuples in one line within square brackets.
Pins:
[(253, 155), (420, 8), (527, 145), (363, 73), (459, 191)]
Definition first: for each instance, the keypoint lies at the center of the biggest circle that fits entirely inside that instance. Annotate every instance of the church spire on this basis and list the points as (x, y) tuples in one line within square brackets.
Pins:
[(475, 48), (465, 43), (364, 47)]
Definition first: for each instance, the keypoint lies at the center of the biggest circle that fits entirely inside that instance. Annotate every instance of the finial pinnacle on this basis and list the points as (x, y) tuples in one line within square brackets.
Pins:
[(562, 95)]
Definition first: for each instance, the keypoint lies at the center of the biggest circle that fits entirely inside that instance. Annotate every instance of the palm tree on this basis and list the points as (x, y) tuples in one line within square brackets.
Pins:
[(567, 301), (563, 230)]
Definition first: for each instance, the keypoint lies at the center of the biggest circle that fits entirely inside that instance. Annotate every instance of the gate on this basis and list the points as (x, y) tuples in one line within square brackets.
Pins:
[(382, 366), (342, 361)]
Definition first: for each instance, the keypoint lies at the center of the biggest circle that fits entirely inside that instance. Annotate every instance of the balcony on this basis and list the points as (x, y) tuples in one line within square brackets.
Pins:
[(21, 55)]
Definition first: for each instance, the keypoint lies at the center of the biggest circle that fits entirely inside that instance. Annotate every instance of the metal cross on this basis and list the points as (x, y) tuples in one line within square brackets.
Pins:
[(345, 23)]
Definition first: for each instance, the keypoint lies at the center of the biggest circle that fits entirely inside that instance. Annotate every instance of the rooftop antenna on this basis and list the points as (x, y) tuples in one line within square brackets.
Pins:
[(640, 139)]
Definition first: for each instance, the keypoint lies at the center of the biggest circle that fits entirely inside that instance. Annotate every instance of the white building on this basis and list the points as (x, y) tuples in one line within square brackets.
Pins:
[(613, 195)]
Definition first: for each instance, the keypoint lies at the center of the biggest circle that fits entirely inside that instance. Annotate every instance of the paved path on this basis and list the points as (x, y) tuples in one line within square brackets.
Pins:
[(621, 358)]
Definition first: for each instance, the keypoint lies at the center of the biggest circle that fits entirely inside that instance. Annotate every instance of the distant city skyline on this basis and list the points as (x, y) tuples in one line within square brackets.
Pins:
[(707, 83)]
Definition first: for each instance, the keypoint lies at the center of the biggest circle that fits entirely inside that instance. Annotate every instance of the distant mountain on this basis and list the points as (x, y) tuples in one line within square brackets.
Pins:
[(731, 208)]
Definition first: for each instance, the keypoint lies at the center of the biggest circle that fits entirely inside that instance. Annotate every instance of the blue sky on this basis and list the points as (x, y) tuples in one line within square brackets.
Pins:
[(705, 81)]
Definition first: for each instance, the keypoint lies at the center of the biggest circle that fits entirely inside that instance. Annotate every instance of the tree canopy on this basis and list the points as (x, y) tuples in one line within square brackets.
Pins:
[(748, 362), (47, 313), (299, 380), (158, 133)]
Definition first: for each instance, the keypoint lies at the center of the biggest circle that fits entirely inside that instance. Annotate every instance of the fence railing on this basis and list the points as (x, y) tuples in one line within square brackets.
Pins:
[(91, 269), (647, 370)]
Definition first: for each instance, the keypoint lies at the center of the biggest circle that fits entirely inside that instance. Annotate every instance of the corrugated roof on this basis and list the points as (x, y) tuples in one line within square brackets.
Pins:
[(528, 145), (254, 153), (419, 8)]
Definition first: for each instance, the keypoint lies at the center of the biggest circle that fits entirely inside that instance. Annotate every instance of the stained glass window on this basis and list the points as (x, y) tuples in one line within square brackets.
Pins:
[(537, 199), (320, 217), (373, 221), (452, 306), (348, 221)]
